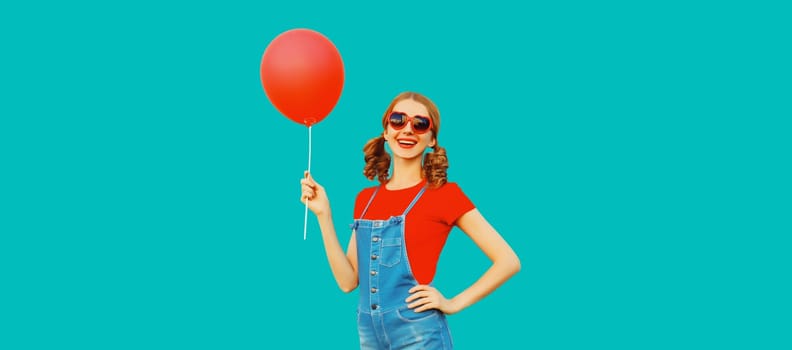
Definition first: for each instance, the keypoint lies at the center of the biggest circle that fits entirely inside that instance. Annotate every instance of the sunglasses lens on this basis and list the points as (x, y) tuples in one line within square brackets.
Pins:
[(421, 123), (397, 120)]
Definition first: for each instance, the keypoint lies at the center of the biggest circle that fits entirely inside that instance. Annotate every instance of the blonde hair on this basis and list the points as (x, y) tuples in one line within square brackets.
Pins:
[(378, 160)]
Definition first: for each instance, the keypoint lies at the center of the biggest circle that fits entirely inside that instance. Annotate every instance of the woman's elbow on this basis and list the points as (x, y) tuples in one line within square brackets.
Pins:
[(348, 287), (516, 265), (513, 264)]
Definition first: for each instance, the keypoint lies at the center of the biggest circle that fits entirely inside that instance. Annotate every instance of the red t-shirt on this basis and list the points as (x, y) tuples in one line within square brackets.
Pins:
[(427, 224)]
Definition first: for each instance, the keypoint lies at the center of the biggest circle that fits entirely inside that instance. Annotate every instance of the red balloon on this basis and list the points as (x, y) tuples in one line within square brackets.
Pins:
[(303, 75)]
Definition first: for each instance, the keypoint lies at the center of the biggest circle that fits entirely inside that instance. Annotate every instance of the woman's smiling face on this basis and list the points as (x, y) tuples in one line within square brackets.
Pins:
[(405, 142)]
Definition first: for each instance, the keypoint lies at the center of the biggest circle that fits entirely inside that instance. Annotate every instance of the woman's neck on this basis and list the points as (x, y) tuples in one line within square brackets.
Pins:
[(406, 173)]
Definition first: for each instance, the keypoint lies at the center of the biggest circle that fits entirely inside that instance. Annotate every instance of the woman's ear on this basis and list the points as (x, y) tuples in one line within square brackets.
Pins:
[(433, 142)]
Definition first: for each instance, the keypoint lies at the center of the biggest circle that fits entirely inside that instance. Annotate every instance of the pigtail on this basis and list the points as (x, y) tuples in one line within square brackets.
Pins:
[(377, 159), (435, 164)]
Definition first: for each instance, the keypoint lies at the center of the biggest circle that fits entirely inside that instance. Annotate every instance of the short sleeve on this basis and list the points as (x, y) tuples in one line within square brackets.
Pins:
[(454, 202)]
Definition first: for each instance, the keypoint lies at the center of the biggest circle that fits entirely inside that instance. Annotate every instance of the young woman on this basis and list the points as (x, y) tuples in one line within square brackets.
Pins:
[(400, 230)]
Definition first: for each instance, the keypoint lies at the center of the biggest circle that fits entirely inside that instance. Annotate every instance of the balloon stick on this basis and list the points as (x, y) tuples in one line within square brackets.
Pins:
[(305, 220)]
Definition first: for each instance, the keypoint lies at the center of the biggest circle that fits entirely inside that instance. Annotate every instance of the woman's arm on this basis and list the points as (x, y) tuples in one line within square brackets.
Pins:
[(505, 264), (343, 266)]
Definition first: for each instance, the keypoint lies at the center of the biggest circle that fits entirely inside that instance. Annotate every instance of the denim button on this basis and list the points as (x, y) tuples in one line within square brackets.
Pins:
[(373, 272), (373, 257), (373, 290), (374, 306), (375, 239)]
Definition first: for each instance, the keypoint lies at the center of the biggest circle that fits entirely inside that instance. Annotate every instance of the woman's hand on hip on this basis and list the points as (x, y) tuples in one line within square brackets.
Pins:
[(423, 297), (315, 194)]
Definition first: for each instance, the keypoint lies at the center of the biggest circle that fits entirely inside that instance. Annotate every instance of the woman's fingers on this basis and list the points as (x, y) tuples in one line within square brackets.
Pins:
[(424, 303), (306, 184), (417, 295), (310, 189), (427, 306), (419, 287), (424, 297), (309, 180), (313, 195), (307, 176), (421, 296), (419, 302)]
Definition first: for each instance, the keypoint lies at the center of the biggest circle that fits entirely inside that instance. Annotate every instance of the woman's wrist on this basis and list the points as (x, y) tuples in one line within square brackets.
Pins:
[(454, 306), (324, 215)]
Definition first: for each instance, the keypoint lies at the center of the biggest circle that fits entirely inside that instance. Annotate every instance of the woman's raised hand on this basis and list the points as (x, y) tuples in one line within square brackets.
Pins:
[(315, 194)]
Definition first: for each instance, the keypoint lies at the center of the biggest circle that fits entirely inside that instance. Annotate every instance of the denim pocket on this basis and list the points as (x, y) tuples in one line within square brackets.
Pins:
[(391, 251), (408, 315)]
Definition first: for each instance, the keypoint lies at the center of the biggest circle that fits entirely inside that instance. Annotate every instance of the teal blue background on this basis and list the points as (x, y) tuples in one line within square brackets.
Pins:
[(635, 155)]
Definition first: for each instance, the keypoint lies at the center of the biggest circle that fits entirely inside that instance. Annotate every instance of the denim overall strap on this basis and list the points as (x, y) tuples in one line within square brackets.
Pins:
[(356, 223), (417, 196), (365, 209)]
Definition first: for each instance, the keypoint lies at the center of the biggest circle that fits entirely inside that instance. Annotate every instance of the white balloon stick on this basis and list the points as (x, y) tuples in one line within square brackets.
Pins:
[(305, 221)]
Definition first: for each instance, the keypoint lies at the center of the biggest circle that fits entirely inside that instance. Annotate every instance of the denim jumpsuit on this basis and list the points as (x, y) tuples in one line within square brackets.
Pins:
[(385, 278)]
